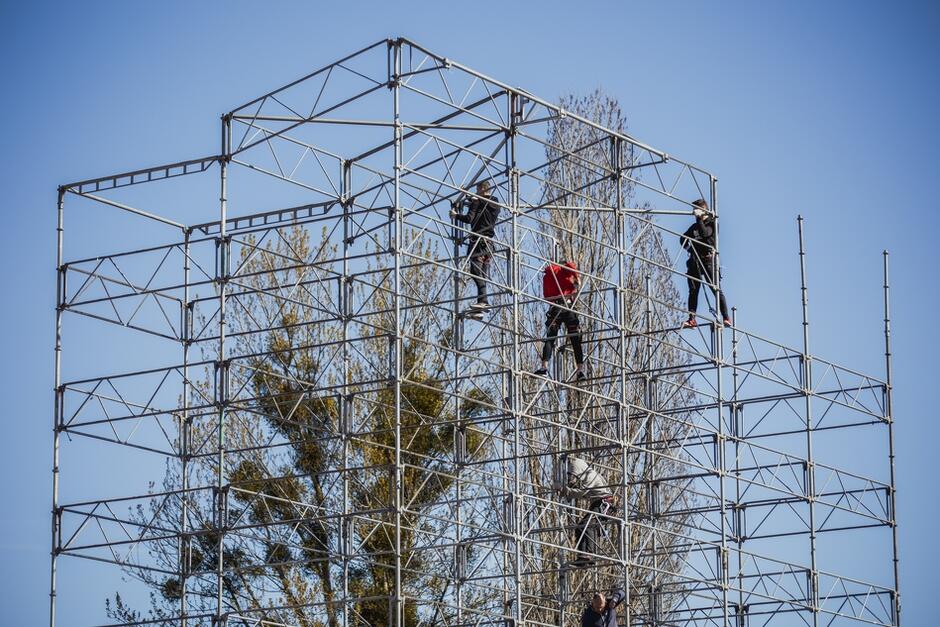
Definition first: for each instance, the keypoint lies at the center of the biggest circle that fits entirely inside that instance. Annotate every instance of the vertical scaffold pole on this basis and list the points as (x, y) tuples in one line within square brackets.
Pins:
[(346, 296), (720, 436), (460, 435), (651, 460), (58, 402), (737, 432), (223, 266), (515, 368), (807, 375), (889, 417), (624, 407), (397, 242), (184, 435)]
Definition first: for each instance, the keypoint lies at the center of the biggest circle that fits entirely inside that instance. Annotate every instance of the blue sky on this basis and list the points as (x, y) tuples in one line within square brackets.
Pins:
[(825, 109)]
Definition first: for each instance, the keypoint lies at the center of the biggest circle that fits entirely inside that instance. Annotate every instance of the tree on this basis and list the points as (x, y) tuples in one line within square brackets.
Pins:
[(310, 432), (581, 200), (287, 448)]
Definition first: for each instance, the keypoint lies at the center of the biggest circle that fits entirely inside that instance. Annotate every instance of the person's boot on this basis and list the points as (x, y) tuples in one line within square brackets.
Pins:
[(579, 374), (690, 323), (727, 322), (480, 305), (542, 371)]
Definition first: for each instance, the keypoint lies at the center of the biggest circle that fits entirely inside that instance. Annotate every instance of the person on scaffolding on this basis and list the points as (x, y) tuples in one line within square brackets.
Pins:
[(602, 611), (560, 283), (482, 214), (586, 484), (699, 241)]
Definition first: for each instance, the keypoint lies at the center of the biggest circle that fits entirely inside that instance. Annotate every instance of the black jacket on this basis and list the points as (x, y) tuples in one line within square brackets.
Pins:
[(699, 239), (482, 216), (608, 617)]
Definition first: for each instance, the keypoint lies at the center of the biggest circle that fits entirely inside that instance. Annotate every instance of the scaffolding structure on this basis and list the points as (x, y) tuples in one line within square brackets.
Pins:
[(277, 412)]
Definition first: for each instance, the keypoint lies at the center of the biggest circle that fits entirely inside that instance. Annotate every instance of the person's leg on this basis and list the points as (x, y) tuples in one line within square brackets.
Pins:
[(694, 274), (584, 540), (573, 329), (478, 264), (719, 296), (484, 276), (592, 534), (472, 262), (722, 305), (581, 536), (551, 332)]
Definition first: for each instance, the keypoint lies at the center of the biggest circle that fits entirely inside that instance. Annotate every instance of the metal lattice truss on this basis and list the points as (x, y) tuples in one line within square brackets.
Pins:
[(323, 319)]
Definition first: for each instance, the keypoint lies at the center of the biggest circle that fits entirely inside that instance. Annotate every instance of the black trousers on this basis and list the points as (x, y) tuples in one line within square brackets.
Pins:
[(479, 254), (590, 528), (556, 317), (703, 270)]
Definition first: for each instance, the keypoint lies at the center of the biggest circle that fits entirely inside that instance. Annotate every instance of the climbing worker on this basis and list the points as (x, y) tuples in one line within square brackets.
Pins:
[(602, 611), (482, 214), (583, 482), (699, 241), (560, 283)]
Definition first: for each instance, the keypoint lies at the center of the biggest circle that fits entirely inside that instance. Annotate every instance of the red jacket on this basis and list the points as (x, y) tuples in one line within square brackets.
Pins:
[(560, 280)]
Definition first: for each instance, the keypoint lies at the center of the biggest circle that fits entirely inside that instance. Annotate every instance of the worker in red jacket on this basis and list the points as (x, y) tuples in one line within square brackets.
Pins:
[(560, 283)]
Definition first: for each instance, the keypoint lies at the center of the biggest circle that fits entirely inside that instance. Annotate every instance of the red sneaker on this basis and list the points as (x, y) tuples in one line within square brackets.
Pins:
[(690, 323)]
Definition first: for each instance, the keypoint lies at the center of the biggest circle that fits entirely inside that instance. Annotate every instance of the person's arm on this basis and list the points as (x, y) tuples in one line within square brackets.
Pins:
[(457, 215), (577, 274), (616, 597), (686, 238)]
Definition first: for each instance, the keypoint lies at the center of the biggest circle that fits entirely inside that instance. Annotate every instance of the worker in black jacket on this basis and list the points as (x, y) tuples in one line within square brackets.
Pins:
[(482, 214), (602, 612), (699, 241)]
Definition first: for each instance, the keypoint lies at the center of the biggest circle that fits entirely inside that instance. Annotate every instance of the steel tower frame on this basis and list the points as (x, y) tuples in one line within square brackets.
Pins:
[(737, 505)]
